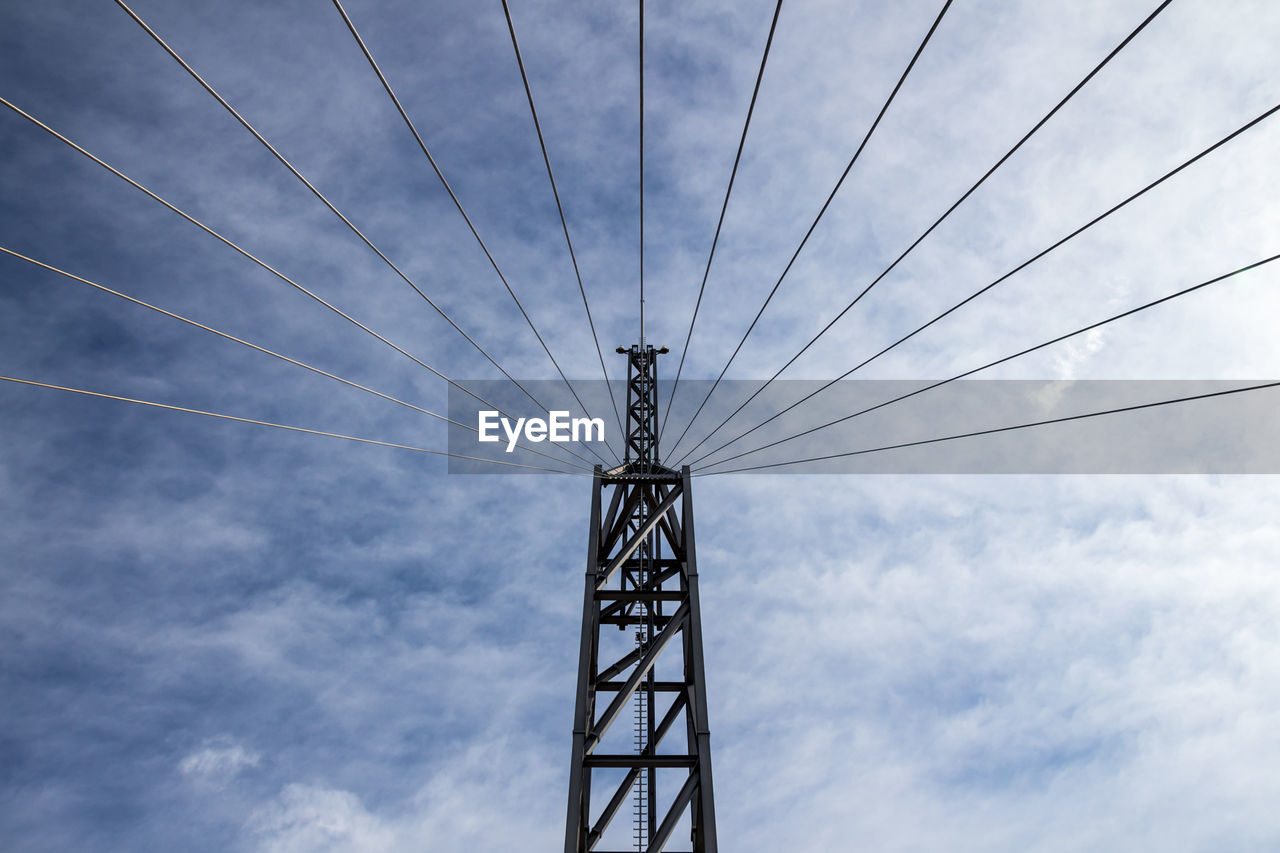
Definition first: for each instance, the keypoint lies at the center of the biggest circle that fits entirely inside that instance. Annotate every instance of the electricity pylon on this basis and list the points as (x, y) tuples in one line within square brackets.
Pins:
[(642, 579)]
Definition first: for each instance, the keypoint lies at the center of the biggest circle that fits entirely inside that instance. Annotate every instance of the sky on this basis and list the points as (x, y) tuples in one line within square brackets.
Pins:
[(219, 636)]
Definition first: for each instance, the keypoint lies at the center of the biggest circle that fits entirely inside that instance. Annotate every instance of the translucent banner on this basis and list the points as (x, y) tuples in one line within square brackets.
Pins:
[(882, 427)]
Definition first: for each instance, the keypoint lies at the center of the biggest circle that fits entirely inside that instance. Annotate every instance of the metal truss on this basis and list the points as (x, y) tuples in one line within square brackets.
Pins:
[(641, 577), (642, 405)]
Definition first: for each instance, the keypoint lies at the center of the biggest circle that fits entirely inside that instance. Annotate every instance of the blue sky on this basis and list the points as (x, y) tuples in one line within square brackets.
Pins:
[(218, 636)]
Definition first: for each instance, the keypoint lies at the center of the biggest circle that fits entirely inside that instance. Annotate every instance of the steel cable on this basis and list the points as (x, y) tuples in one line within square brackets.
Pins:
[(981, 432), (641, 52), (983, 290), (724, 207), (946, 213), (865, 139), (286, 279), (1007, 358), (264, 350), (537, 126), (249, 127), (172, 408), (386, 85)]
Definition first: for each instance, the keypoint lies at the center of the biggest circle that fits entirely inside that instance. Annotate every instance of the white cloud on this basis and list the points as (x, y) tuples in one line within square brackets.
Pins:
[(218, 761), (490, 795), (303, 819), (1098, 674)]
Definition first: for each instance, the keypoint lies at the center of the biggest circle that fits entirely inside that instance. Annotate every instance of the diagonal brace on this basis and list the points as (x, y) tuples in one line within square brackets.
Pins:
[(641, 670), (673, 814), (639, 536), (610, 810)]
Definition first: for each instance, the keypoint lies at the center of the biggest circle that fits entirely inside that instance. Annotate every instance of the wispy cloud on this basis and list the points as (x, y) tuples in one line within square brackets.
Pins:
[(218, 761)]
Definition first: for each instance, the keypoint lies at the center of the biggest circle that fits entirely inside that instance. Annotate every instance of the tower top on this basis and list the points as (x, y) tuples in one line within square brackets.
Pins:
[(642, 409)]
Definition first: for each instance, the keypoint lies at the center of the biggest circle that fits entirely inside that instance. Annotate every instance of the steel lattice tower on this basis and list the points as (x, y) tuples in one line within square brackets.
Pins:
[(642, 577)]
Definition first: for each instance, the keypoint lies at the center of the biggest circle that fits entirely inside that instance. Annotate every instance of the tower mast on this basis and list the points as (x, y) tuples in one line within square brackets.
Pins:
[(642, 578)]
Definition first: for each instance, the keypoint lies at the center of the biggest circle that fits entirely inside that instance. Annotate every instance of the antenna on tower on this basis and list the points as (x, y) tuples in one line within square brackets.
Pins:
[(642, 315), (642, 175)]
